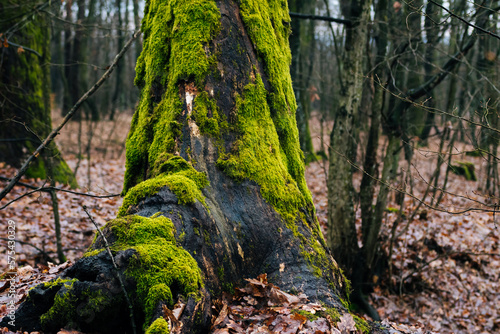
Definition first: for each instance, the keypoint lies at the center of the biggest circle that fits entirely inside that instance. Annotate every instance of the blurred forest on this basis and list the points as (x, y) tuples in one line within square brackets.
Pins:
[(398, 121)]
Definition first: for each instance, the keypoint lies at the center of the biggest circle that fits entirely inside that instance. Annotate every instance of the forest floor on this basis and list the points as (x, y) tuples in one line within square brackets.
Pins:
[(445, 267)]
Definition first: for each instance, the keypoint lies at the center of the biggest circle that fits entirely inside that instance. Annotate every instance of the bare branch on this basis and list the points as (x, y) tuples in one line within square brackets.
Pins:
[(44, 253), (320, 18), (465, 21), (49, 189)]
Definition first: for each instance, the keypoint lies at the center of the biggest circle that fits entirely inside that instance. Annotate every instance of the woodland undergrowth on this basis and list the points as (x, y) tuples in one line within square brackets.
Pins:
[(445, 267)]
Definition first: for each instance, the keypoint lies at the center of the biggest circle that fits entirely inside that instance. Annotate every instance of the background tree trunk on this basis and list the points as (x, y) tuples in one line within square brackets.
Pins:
[(342, 237), (214, 188), (25, 91)]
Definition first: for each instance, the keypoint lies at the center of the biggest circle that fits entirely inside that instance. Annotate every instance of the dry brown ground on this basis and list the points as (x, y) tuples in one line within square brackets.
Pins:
[(450, 287)]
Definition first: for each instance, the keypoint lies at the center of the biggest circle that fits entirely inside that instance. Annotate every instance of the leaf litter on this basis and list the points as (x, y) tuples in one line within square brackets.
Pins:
[(446, 269)]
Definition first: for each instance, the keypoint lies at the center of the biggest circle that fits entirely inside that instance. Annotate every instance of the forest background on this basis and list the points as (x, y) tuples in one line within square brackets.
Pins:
[(398, 121)]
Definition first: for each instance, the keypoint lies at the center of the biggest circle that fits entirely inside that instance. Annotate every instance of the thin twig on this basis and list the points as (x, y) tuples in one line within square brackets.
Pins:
[(24, 48), (320, 18), (435, 208), (68, 116), (48, 189), (465, 21), (44, 253), (116, 268)]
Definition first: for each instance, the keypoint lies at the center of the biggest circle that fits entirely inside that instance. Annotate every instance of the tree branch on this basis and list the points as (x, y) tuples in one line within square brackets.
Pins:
[(68, 116), (320, 18), (48, 189), (465, 21), (24, 48), (44, 253)]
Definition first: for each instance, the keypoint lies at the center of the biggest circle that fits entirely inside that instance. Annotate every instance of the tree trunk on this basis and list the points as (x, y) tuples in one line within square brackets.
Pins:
[(302, 44), (214, 188), (342, 237), (432, 16), (25, 91), (117, 99)]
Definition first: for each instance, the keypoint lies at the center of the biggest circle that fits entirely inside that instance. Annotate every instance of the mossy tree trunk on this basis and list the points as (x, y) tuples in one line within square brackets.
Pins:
[(214, 188), (24, 91)]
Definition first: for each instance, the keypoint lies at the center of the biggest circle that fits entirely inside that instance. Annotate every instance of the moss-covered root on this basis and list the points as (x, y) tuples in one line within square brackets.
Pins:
[(76, 304), (168, 171), (161, 269)]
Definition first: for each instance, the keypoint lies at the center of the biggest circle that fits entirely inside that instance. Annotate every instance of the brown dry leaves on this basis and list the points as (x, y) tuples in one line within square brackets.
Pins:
[(450, 263), (261, 307)]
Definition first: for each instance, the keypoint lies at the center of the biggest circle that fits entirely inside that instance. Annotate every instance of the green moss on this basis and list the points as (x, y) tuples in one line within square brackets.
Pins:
[(308, 315), (181, 237), (175, 35), (392, 209), (63, 308), (361, 324), (95, 302), (465, 168), (159, 326), (93, 252), (208, 117), (160, 264), (220, 272), (259, 156), (206, 237), (176, 173), (268, 25), (332, 312), (58, 281)]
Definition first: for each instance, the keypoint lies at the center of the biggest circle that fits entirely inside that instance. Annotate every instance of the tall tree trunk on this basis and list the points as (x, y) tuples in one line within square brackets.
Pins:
[(370, 165), (302, 44), (342, 237), (117, 99), (432, 17), (25, 91), (214, 188)]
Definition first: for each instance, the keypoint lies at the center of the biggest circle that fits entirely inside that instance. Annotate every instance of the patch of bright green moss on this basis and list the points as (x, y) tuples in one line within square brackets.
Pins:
[(308, 315), (175, 35), (207, 116), (160, 264), (259, 157), (332, 312), (176, 173), (268, 25), (361, 324), (466, 169), (159, 326), (93, 252), (63, 308)]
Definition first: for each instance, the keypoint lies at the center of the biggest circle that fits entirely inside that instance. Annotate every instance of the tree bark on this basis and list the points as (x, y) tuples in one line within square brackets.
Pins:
[(302, 44), (214, 188), (25, 92), (342, 237)]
